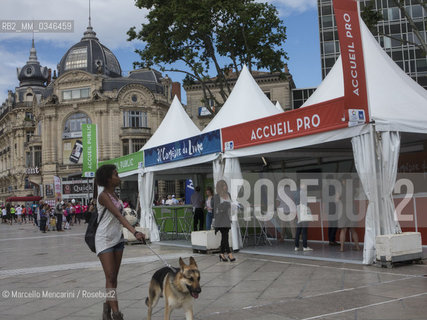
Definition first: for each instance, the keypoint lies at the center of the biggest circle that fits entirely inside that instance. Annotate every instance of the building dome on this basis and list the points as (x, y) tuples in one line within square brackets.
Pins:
[(32, 74), (90, 55)]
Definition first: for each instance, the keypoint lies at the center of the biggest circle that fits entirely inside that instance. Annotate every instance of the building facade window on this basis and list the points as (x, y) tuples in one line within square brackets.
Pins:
[(38, 156), (125, 146), (28, 136), (73, 94), (33, 158), (406, 55), (73, 125), (132, 145), (135, 119), (137, 144)]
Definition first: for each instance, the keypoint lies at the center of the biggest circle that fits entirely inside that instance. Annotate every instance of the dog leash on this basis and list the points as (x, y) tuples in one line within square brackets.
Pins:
[(160, 258)]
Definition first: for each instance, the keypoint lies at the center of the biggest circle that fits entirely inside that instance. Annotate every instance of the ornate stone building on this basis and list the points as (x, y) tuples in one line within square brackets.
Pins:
[(277, 88), (40, 125)]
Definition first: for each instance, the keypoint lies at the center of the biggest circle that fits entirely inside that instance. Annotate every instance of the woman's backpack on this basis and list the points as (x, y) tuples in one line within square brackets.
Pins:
[(91, 229)]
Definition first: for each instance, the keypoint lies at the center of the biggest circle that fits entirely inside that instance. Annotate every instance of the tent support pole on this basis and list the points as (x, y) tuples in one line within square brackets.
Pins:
[(375, 179)]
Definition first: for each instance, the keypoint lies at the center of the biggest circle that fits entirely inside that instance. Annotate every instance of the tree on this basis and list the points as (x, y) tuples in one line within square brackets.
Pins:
[(205, 35), (372, 17)]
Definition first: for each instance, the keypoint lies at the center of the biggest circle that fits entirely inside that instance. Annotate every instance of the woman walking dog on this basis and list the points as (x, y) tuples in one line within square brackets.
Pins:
[(109, 236)]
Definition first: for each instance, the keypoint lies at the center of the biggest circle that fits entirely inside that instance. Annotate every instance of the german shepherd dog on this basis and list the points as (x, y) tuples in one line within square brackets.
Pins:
[(179, 287)]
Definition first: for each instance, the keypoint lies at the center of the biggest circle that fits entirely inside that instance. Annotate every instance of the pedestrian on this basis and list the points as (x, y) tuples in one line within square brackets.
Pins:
[(78, 210), (43, 212), (209, 207), (73, 212), (304, 217), (58, 214), (24, 213), (222, 215), (346, 220), (67, 215), (12, 213), (30, 214), (197, 202), (287, 217), (8, 214), (330, 207), (3, 215), (18, 212), (35, 208), (91, 208), (109, 235)]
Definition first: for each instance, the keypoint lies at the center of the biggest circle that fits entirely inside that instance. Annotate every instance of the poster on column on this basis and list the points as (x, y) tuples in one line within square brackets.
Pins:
[(196, 146), (90, 160), (57, 183)]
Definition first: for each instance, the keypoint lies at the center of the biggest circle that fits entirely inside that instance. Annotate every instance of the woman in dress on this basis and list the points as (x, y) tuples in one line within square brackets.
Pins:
[(222, 214), (109, 236)]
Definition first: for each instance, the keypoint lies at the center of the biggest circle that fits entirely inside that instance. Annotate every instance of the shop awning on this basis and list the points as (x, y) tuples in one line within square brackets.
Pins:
[(29, 198)]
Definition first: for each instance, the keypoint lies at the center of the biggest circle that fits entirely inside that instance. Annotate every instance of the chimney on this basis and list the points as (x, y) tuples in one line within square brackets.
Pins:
[(176, 90), (54, 75), (49, 76), (286, 68)]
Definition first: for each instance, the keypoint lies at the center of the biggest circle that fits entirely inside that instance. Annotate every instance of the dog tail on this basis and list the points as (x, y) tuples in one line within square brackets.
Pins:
[(146, 301)]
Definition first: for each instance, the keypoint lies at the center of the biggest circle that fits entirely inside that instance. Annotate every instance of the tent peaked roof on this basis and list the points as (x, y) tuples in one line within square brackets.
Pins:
[(279, 106), (396, 102), (246, 102), (175, 126)]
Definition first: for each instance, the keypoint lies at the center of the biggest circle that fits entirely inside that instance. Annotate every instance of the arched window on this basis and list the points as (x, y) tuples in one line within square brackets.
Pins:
[(73, 125), (29, 97)]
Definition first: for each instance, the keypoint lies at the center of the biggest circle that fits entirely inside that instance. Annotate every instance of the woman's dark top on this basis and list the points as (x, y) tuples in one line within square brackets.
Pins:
[(222, 212)]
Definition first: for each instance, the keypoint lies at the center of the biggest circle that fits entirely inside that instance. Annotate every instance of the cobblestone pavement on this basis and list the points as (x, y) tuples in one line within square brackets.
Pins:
[(54, 276)]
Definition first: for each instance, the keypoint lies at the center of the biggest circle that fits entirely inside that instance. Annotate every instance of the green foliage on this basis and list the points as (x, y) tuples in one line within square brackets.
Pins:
[(208, 35), (371, 17)]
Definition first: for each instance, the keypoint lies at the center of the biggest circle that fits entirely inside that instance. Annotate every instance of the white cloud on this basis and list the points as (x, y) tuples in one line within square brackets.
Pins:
[(110, 18)]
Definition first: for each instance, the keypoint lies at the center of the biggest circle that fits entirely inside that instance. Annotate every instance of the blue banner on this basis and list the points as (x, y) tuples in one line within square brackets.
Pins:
[(189, 190), (197, 146)]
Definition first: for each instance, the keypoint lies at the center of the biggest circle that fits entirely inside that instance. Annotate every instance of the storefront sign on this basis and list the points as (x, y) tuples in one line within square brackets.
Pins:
[(89, 150), (197, 146), (347, 18), (76, 188), (325, 116), (34, 170), (127, 163)]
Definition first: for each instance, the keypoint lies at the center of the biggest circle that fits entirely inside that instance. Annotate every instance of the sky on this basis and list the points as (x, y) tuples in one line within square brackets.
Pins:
[(112, 18)]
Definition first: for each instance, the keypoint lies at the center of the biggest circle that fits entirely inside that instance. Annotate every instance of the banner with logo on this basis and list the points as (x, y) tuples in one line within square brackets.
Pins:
[(57, 184), (189, 190), (127, 163), (90, 156), (350, 38), (325, 116), (197, 146)]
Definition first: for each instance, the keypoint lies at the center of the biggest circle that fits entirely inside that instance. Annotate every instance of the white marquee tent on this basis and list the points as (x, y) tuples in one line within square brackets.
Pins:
[(396, 104)]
